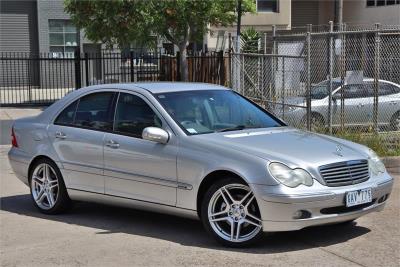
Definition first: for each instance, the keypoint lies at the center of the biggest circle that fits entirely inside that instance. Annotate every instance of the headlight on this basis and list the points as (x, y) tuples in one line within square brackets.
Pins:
[(375, 163), (290, 177)]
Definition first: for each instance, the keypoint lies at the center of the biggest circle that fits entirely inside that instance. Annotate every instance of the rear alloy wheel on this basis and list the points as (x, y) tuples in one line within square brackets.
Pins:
[(47, 188), (231, 214)]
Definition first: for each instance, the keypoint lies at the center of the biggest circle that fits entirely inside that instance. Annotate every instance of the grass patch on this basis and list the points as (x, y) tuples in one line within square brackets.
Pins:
[(384, 144)]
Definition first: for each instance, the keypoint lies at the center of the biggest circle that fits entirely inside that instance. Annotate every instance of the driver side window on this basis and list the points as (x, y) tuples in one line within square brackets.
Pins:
[(133, 114)]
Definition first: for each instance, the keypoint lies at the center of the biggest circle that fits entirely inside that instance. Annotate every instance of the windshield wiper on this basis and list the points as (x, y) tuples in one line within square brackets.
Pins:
[(235, 128)]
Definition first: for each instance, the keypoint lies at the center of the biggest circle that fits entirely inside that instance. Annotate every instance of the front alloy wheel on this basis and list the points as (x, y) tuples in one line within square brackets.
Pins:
[(233, 217)]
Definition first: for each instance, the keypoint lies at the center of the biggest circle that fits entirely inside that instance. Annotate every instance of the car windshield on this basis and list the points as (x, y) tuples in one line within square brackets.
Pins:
[(321, 90), (208, 111)]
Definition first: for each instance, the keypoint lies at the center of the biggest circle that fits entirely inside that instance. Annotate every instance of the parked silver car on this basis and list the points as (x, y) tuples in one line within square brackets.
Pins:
[(196, 150), (358, 105)]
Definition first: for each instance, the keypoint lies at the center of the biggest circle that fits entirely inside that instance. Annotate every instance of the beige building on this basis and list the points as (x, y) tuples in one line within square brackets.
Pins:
[(362, 13), (291, 14)]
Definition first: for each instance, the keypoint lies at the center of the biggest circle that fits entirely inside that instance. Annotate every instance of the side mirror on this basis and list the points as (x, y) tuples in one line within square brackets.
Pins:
[(155, 134)]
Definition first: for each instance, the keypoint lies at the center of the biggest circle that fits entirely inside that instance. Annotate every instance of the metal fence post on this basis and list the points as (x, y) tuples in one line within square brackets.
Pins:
[(230, 59), (221, 67), (308, 85), (178, 66), (131, 69), (242, 74), (342, 73), (330, 75), (376, 75), (87, 68), (273, 63), (78, 76)]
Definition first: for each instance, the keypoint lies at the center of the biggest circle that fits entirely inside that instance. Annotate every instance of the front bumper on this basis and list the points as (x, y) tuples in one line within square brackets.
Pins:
[(322, 204)]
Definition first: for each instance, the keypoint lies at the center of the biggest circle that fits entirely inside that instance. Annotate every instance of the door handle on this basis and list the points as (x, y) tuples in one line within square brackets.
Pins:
[(112, 144), (61, 135)]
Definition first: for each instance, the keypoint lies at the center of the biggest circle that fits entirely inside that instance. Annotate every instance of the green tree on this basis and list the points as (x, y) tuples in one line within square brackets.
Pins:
[(123, 22)]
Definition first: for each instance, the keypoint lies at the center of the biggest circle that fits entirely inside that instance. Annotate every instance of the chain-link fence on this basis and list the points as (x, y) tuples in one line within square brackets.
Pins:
[(342, 82)]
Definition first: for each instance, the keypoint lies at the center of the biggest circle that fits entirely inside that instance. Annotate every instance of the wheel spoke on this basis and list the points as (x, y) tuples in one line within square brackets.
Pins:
[(228, 194), (219, 213), (220, 219), (248, 202), (243, 200), (238, 230), (40, 196), (53, 184), (37, 180), (50, 198), (232, 229), (46, 172), (253, 217), (253, 223)]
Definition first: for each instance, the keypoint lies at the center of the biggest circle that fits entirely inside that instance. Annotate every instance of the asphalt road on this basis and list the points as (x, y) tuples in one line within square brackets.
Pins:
[(96, 235)]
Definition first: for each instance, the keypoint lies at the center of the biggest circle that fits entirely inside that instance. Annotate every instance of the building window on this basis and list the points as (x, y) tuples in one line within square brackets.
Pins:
[(267, 5), (63, 38), (371, 3)]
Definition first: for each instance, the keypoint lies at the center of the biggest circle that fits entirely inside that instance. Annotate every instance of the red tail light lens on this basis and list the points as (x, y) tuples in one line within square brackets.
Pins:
[(14, 142)]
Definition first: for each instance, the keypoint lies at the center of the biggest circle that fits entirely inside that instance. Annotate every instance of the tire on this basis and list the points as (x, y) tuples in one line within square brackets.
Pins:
[(219, 213), (395, 121), (47, 188)]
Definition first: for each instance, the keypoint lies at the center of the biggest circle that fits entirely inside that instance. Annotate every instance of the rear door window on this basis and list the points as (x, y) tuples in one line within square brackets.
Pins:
[(95, 111), (67, 116)]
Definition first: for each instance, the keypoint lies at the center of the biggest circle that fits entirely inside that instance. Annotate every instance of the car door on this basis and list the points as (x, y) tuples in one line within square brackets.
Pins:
[(356, 103), (388, 102), (77, 137), (137, 168)]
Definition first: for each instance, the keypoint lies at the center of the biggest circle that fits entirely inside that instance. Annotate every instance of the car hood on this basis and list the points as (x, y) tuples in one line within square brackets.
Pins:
[(293, 147)]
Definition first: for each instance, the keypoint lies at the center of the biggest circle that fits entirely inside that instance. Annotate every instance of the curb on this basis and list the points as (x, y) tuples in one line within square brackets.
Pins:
[(392, 164)]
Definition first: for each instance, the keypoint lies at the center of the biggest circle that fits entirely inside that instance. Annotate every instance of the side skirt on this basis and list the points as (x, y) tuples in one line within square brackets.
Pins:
[(81, 195)]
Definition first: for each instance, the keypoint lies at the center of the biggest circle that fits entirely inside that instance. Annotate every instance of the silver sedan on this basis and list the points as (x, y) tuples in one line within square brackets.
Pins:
[(195, 150), (358, 105)]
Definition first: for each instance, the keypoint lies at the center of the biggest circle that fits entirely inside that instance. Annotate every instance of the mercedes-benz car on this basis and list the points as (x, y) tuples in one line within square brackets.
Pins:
[(196, 150), (358, 100)]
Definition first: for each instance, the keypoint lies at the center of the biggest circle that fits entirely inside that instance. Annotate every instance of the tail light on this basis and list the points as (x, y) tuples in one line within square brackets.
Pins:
[(14, 142)]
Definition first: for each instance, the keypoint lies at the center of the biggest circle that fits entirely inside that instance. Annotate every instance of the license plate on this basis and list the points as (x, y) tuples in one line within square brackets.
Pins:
[(358, 197)]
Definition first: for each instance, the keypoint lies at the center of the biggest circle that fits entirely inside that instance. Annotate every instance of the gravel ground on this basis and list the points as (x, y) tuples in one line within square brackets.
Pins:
[(95, 235)]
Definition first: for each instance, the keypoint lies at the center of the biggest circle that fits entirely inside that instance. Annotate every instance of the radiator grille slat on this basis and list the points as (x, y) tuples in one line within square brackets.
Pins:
[(345, 173)]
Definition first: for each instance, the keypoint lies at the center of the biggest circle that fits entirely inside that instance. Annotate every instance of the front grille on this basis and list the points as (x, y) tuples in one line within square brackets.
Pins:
[(345, 173)]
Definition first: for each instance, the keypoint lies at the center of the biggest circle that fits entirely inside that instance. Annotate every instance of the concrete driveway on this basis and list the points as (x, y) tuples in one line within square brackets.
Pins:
[(95, 235)]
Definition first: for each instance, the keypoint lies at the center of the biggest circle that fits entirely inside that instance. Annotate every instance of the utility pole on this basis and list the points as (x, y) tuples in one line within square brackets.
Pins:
[(239, 22), (339, 12)]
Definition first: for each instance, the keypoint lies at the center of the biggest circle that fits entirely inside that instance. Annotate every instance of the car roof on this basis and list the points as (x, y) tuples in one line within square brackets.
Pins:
[(164, 87)]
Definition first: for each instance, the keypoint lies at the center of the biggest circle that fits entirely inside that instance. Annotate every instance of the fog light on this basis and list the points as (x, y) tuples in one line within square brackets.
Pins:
[(301, 214)]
